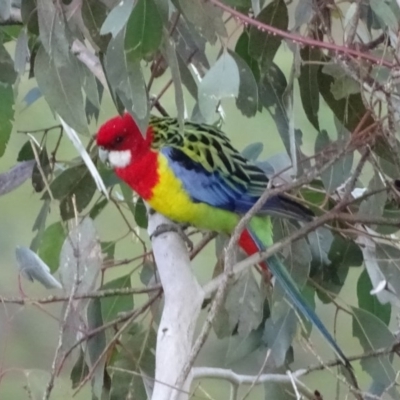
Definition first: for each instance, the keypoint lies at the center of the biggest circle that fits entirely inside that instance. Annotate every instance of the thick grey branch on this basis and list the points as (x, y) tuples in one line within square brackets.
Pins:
[(183, 299)]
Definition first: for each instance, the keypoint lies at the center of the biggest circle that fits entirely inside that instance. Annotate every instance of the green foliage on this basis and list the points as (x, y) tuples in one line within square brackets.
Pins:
[(143, 31), (82, 57), (6, 115), (50, 245), (74, 186), (374, 334), (370, 303), (262, 45), (224, 75), (112, 306), (308, 84), (125, 77), (61, 89)]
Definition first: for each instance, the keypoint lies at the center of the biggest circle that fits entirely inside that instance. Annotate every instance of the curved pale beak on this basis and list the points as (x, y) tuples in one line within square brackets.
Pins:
[(103, 155)]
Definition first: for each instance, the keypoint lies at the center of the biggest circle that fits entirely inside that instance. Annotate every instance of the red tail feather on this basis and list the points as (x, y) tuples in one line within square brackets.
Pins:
[(250, 247)]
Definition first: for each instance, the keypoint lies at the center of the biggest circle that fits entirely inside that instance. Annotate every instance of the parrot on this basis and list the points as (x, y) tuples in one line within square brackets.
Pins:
[(197, 177)]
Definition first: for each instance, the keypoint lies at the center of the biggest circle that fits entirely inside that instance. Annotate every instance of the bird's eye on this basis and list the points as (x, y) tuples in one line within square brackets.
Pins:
[(118, 139)]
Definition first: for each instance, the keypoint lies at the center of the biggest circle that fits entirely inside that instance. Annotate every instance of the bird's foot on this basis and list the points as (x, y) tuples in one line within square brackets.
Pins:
[(163, 228)]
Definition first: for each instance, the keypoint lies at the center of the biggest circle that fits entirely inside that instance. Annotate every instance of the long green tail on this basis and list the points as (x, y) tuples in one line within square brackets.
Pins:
[(293, 293)]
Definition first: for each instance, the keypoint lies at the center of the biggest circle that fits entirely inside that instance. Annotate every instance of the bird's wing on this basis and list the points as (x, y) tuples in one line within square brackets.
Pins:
[(214, 172)]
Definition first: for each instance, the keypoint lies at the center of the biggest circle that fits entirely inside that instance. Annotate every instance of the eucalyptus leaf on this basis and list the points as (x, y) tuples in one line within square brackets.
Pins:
[(8, 75), (279, 167), (279, 331), (98, 208), (247, 100), (143, 31), (308, 84), (242, 50), (297, 256), (62, 89), (369, 302), (32, 95), (372, 265), (205, 17), (112, 306), (279, 391), (16, 176), (89, 85), (79, 370), (128, 196), (263, 45), (94, 13), (253, 151), (187, 78), (53, 32), (5, 10), (343, 254), (241, 347), (388, 258), (344, 251), (74, 138), (117, 18), (272, 87), (142, 342), (26, 153), (340, 171), (373, 335), (21, 52), (38, 181), (34, 269), (80, 258), (29, 15), (320, 242), (221, 81), (244, 304), (140, 214), (172, 59), (51, 244), (384, 14), (303, 13), (350, 110), (126, 80), (374, 205), (74, 182), (343, 85), (39, 225), (96, 344), (190, 45)]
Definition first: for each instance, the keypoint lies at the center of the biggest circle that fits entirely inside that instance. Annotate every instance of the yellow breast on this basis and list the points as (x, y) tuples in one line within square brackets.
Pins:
[(170, 199)]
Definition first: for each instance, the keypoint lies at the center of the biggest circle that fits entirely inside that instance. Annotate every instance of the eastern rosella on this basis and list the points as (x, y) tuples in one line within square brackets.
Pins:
[(201, 179)]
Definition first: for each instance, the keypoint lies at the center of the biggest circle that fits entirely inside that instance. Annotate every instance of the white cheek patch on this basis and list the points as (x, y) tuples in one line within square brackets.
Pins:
[(120, 159)]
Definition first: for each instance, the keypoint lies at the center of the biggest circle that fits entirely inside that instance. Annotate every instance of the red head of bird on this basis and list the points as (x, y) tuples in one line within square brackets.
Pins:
[(121, 141), (123, 147)]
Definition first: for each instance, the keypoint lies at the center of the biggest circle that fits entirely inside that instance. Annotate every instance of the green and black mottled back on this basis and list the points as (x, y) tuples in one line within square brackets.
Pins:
[(214, 172)]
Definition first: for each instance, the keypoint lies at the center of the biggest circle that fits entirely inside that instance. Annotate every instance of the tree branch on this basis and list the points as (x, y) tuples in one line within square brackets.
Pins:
[(183, 299), (91, 295), (238, 379), (295, 38)]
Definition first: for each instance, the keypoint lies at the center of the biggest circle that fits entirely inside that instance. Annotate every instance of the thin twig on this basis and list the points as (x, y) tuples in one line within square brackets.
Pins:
[(295, 38), (92, 295)]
